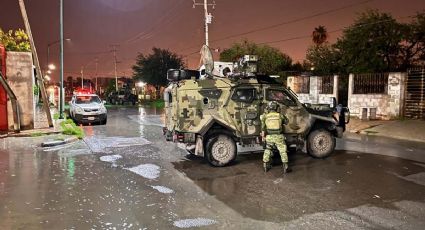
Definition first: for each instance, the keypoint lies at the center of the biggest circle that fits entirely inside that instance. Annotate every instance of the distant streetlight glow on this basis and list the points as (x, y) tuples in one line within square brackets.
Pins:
[(140, 84), (52, 67)]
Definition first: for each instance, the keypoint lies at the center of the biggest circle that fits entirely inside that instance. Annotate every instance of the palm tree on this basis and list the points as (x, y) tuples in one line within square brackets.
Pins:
[(320, 35)]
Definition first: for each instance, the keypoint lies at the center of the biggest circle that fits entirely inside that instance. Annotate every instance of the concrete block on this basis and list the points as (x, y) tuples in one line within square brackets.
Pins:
[(20, 76)]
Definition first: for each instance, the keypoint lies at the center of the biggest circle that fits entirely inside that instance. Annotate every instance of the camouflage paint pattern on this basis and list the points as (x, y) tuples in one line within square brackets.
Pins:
[(195, 104), (278, 141)]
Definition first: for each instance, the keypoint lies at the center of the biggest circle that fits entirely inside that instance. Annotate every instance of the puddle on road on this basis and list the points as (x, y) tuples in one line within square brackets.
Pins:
[(111, 159), (344, 180), (191, 223), (149, 171), (162, 189), (154, 120), (104, 144)]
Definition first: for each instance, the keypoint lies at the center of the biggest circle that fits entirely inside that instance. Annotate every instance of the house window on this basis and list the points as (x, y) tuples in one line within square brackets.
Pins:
[(370, 83), (326, 85)]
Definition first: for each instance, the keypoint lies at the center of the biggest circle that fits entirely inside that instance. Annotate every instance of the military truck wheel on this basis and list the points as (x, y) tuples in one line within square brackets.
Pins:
[(320, 143), (221, 150)]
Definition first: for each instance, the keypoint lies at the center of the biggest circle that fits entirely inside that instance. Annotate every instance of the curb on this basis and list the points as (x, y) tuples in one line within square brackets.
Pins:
[(57, 143), (393, 137), (31, 134)]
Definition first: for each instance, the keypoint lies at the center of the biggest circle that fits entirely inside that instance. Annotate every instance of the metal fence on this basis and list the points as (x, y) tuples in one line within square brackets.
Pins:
[(326, 85), (414, 104), (375, 83)]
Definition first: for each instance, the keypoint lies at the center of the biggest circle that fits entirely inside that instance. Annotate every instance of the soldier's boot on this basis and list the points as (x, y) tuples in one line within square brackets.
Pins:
[(267, 166), (286, 168)]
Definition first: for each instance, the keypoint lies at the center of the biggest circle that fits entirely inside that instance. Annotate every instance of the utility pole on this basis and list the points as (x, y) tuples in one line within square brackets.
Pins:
[(97, 62), (61, 90), (36, 63), (208, 16), (82, 77), (114, 49)]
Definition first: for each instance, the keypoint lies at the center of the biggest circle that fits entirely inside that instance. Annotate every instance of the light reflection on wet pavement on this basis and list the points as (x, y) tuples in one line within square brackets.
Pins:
[(125, 176)]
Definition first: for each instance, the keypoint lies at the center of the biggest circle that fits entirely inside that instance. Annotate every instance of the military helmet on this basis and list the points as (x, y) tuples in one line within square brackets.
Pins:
[(272, 106)]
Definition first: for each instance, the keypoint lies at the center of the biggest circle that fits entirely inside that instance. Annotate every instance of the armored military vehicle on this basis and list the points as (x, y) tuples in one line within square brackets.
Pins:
[(214, 115)]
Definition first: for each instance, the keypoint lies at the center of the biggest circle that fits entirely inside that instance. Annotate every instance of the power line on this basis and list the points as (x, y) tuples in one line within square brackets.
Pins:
[(332, 31), (287, 22)]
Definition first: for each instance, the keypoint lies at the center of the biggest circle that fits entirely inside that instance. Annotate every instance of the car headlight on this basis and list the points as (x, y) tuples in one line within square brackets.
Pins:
[(103, 109), (79, 110)]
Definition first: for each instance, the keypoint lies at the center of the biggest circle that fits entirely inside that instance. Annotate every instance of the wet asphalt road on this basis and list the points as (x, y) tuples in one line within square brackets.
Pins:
[(125, 176)]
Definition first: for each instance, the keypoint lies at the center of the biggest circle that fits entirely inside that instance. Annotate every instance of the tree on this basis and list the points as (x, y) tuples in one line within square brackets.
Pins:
[(371, 44), (110, 88), (15, 40), (324, 58), (412, 51), (270, 60), (375, 42), (152, 68), (320, 35)]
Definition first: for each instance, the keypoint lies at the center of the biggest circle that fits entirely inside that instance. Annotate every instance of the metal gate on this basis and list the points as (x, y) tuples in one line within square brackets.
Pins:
[(414, 106)]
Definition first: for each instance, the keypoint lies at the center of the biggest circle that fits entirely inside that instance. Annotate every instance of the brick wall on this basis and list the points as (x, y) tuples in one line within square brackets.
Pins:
[(387, 106), (314, 96)]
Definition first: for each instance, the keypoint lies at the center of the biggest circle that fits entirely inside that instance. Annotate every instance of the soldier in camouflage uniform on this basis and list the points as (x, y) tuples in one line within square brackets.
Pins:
[(272, 129)]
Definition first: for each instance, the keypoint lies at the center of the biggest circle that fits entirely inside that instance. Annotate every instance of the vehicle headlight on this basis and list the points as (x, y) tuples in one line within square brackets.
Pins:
[(102, 109), (79, 110)]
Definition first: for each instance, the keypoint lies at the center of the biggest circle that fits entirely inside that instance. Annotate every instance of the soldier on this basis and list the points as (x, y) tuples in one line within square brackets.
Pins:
[(272, 132)]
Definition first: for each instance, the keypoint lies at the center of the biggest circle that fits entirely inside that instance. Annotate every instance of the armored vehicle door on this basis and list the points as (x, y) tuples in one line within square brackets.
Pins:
[(290, 107), (246, 114)]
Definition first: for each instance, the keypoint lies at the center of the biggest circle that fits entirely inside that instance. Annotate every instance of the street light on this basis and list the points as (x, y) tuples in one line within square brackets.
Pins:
[(53, 43), (140, 84), (51, 67)]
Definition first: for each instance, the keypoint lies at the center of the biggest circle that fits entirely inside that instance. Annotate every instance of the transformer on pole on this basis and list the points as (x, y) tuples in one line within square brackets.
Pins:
[(208, 16)]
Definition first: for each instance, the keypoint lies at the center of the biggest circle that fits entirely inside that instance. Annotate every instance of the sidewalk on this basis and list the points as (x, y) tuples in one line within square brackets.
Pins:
[(41, 126), (412, 130)]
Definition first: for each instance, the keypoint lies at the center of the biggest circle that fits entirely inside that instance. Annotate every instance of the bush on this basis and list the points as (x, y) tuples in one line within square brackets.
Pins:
[(15, 40), (70, 128)]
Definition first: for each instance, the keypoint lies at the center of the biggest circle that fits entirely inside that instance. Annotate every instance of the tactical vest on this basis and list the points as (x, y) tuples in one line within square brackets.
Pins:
[(273, 123)]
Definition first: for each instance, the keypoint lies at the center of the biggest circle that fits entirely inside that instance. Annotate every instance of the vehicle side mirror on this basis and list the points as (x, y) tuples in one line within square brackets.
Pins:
[(333, 105)]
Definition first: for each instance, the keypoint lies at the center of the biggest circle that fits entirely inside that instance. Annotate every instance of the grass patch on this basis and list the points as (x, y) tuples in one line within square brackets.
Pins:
[(37, 134), (59, 138), (370, 132), (56, 116), (70, 128), (156, 103)]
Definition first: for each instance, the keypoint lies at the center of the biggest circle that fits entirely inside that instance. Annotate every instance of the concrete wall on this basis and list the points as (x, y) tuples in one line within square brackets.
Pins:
[(314, 97), (20, 76), (387, 106)]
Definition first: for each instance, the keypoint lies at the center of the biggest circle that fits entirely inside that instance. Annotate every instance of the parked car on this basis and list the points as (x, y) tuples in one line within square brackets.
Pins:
[(87, 109), (121, 97)]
